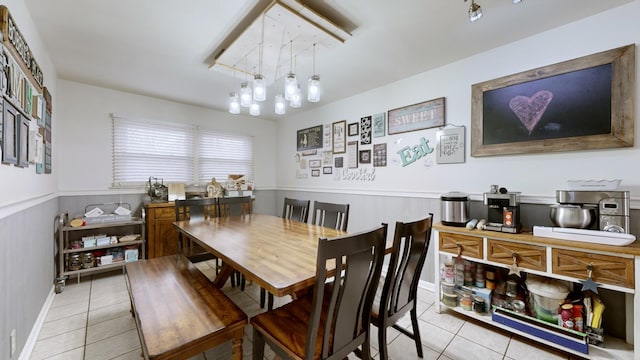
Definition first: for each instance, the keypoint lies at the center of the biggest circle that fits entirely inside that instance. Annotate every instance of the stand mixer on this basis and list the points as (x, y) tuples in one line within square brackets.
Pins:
[(611, 208)]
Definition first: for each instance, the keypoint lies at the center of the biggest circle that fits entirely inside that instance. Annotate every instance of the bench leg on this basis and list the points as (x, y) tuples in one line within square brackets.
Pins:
[(236, 349)]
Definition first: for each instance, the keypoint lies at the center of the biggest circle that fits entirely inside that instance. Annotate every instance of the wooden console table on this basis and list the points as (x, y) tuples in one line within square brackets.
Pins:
[(614, 267)]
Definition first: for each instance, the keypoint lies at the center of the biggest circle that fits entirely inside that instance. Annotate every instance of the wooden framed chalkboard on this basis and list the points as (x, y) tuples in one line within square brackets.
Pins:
[(580, 104)]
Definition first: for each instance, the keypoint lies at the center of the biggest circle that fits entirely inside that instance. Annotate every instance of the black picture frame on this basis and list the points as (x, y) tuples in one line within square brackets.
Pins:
[(365, 157), (10, 134), (580, 104), (23, 142), (327, 170), (309, 138), (353, 128)]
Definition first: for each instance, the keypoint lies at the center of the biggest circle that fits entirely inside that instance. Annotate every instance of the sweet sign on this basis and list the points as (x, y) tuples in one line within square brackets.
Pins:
[(17, 45)]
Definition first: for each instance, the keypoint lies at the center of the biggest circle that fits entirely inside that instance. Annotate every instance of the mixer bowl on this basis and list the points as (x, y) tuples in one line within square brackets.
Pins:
[(573, 216)]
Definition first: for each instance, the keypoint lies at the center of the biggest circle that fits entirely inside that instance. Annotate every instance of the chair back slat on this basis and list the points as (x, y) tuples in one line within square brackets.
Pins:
[(410, 246), (331, 215), (295, 209), (360, 257), (234, 206)]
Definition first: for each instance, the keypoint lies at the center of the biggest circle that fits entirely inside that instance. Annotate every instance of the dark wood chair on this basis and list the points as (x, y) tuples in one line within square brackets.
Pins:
[(333, 319), (195, 210), (295, 209), (331, 215), (292, 209), (397, 291), (235, 206)]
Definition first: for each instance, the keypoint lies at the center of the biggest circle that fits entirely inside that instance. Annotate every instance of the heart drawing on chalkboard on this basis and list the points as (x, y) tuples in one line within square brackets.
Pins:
[(530, 109)]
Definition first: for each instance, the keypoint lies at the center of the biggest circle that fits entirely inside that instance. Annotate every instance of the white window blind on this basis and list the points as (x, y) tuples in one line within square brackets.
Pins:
[(222, 154), (175, 153)]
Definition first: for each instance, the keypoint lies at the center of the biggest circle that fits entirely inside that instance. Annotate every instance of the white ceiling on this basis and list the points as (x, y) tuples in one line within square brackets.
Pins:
[(163, 48)]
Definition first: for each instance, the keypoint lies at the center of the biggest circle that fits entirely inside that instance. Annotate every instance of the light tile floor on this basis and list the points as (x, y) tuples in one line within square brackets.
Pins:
[(91, 320)]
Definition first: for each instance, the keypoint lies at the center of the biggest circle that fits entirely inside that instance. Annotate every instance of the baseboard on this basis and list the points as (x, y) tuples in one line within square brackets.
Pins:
[(426, 285), (25, 354)]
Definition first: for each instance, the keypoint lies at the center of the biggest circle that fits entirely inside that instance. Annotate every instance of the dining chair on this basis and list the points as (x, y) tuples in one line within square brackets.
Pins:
[(397, 290), (295, 209), (292, 209), (195, 210), (332, 320), (235, 206), (331, 215)]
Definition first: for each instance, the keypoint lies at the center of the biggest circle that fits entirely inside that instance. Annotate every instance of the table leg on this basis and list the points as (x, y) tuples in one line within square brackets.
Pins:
[(223, 275)]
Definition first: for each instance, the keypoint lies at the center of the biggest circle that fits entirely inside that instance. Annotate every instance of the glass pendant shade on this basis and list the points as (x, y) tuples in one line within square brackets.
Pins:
[(475, 12), (313, 89), (259, 88), (245, 95), (234, 103), (254, 109), (296, 99), (279, 105), (290, 86)]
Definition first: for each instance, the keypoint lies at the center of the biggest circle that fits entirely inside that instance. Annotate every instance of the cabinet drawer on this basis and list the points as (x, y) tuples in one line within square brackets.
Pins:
[(607, 269), (471, 245), (165, 213), (528, 256)]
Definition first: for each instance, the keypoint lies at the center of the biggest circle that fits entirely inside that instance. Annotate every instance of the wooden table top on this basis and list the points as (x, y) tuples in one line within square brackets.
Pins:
[(277, 254)]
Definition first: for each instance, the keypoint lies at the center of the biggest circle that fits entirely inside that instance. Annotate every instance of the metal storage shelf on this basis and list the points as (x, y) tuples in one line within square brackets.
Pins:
[(67, 234)]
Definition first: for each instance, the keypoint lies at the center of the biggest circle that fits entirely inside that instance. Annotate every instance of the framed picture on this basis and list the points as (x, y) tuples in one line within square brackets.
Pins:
[(353, 129), (450, 145), (578, 104), (365, 130), (378, 124), (23, 142), (315, 163), (327, 170), (10, 132), (338, 162), (339, 140), (315, 172), (380, 155), (352, 154), (414, 117), (310, 138), (365, 157)]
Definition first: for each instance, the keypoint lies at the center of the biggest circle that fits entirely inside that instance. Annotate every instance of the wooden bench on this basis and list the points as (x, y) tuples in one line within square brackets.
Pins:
[(178, 312)]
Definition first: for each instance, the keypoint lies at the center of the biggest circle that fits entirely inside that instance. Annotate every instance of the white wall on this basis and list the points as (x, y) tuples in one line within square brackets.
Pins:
[(537, 176), (20, 184), (86, 133)]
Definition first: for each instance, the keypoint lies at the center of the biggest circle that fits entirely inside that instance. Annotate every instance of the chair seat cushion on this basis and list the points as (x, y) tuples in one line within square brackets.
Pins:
[(287, 325)]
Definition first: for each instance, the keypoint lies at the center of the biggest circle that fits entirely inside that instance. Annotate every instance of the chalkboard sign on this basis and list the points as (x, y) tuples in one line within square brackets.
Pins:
[(310, 138), (577, 103)]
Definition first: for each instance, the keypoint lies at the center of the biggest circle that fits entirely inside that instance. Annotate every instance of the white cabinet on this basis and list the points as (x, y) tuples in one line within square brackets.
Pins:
[(613, 267), (87, 249)]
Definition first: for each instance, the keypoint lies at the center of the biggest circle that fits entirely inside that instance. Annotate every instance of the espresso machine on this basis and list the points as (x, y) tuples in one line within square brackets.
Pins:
[(503, 210), (612, 207)]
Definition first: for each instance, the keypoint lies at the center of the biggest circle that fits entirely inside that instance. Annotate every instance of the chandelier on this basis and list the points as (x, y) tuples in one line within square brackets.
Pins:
[(275, 49)]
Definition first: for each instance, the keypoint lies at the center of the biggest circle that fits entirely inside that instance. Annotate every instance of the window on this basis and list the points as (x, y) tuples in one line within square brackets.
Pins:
[(176, 152)]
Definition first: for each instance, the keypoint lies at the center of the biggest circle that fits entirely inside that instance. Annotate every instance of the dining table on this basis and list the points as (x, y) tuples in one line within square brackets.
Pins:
[(276, 253)]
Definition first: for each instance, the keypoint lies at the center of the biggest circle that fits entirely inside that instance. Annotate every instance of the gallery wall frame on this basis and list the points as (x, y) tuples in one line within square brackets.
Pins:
[(23, 142), (339, 138), (309, 138), (420, 116), (581, 104), (10, 129)]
